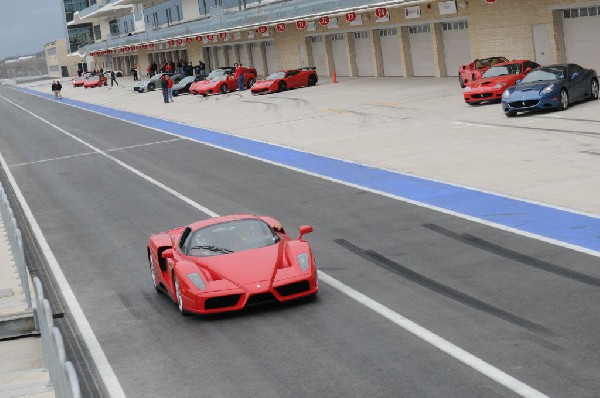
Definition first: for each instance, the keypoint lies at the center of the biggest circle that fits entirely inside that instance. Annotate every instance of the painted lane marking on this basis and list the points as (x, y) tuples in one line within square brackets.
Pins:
[(442, 344), (556, 225), (91, 153), (474, 125)]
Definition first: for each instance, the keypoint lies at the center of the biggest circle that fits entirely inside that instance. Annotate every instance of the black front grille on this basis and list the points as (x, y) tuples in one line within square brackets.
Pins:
[(261, 298), (485, 95), (221, 302), (524, 104), (293, 288)]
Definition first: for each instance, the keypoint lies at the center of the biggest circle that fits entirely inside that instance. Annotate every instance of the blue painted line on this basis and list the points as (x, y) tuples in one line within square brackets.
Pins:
[(560, 225)]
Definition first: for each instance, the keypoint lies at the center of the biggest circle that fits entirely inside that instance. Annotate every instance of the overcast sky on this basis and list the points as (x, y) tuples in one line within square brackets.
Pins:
[(26, 25)]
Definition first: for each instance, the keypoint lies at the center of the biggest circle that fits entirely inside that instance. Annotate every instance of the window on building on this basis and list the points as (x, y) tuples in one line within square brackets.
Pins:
[(97, 32)]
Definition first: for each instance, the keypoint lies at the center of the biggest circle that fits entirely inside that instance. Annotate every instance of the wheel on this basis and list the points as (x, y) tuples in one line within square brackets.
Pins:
[(511, 114), (564, 100), (461, 82), (595, 89), (250, 83), (178, 297), (473, 103), (151, 86), (282, 86), (312, 80), (175, 93), (153, 274), (119, 74), (223, 89)]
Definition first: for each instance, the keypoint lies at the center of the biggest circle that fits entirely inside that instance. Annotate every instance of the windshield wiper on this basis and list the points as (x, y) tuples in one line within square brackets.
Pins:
[(212, 248)]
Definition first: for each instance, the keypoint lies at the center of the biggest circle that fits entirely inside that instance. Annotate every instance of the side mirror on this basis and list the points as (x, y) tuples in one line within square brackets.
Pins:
[(528, 70), (167, 253), (517, 82), (574, 75), (304, 229)]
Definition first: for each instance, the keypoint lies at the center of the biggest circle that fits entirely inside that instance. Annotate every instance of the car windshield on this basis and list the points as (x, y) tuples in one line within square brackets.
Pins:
[(276, 75), (187, 80), (94, 78), (231, 236), (546, 74), (510, 69)]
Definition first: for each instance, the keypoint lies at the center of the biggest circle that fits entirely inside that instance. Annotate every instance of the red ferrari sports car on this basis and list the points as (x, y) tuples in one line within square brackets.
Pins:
[(476, 69), (286, 79), (227, 263), (497, 79), (222, 81), (95, 81), (78, 81)]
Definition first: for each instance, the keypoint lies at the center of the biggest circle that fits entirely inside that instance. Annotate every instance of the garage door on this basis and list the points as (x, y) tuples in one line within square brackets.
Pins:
[(231, 58), (364, 53), (582, 36), (340, 58), (317, 45), (257, 58), (391, 56), (244, 54), (421, 50), (457, 48), (271, 56)]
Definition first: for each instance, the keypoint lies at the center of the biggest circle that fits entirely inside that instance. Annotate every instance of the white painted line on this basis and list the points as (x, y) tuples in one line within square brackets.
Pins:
[(444, 345), (474, 124)]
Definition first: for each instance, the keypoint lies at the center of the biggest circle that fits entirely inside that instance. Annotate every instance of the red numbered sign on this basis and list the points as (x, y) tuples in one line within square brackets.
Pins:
[(223, 35), (179, 41), (324, 21), (151, 45), (281, 27), (199, 39), (381, 12), (262, 29), (350, 17), (490, 1), (189, 40), (171, 42), (210, 37), (301, 24)]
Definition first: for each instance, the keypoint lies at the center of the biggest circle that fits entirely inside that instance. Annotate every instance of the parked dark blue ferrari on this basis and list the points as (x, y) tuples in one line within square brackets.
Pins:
[(551, 87)]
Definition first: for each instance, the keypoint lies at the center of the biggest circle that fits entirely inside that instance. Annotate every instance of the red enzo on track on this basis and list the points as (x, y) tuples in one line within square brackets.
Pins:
[(227, 263), (222, 81), (497, 79), (95, 81), (286, 79), (78, 81), (476, 69)]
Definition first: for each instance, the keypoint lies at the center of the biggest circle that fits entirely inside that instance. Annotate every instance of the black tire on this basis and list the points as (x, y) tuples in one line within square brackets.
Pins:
[(510, 114), (151, 86), (461, 82), (119, 75), (250, 83), (282, 86), (153, 274), (594, 89), (564, 100), (473, 103), (312, 80), (175, 93), (223, 89)]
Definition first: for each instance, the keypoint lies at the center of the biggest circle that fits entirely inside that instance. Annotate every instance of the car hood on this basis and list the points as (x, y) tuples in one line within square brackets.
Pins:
[(142, 83), (248, 266), (492, 81), (263, 83), (534, 86)]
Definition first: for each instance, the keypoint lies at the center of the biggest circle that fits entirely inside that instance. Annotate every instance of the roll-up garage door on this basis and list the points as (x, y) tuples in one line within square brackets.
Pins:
[(391, 56), (421, 50), (244, 54), (271, 53), (340, 58), (257, 58), (231, 57), (457, 48), (317, 44), (582, 36), (364, 54)]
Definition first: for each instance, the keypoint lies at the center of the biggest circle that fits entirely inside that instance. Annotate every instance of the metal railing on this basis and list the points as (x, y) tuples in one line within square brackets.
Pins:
[(62, 373)]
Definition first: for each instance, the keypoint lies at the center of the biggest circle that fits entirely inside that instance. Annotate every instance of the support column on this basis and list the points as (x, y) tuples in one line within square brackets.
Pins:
[(351, 51), (405, 51), (376, 53), (309, 55), (263, 56), (328, 54), (439, 57)]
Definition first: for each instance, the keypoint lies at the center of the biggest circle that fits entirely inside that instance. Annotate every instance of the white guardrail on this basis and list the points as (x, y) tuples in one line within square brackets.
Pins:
[(62, 373)]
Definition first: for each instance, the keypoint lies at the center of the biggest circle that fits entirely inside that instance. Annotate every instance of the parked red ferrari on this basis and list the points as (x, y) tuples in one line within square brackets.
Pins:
[(476, 69), (222, 81), (227, 263), (95, 81), (286, 79), (497, 79), (78, 81)]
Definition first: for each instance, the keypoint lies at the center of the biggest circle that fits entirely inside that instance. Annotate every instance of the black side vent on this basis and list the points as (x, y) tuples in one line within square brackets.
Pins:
[(261, 298), (221, 302), (293, 288)]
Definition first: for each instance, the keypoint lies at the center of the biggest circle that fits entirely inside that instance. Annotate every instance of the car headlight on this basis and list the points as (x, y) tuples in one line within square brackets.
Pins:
[(506, 94), (549, 88), (467, 89), (303, 261), (500, 85), (196, 279)]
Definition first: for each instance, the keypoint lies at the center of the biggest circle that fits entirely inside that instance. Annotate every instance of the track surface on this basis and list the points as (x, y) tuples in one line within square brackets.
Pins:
[(526, 307)]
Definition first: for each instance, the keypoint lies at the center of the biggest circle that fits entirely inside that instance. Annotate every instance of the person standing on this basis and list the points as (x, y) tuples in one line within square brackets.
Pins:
[(54, 89), (134, 73), (164, 87), (170, 89), (239, 73), (113, 78), (58, 88), (202, 68)]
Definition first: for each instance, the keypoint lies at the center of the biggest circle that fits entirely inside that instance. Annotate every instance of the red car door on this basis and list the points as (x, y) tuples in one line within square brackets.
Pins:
[(295, 79)]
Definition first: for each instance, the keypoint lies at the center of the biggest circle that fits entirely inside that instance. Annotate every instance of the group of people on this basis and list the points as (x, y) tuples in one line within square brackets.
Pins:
[(56, 87), (166, 84), (181, 67)]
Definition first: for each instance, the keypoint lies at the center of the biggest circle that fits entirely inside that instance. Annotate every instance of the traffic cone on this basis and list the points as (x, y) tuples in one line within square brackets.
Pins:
[(333, 77)]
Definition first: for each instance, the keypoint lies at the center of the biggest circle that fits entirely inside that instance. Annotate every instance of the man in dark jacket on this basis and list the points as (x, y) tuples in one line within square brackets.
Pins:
[(113, 78), (164, 84)]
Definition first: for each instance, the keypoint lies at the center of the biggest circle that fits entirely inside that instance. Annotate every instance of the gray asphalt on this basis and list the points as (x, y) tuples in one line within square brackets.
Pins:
[(524, 306)]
